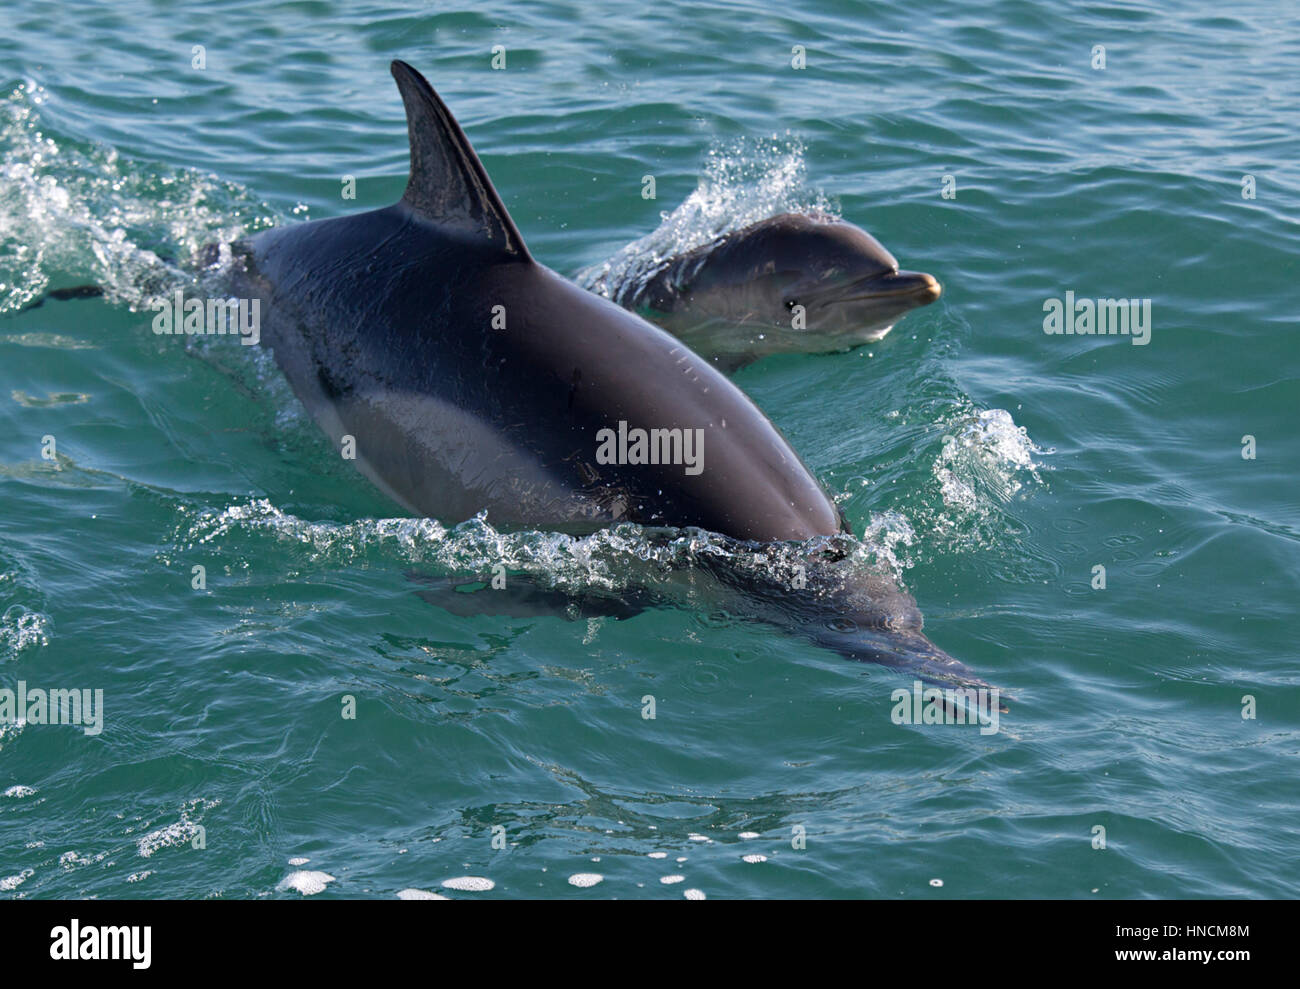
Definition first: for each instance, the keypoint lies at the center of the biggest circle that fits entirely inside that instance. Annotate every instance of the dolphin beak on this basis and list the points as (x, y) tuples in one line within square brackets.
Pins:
[(914, 287), (925, 288), (882, 298)]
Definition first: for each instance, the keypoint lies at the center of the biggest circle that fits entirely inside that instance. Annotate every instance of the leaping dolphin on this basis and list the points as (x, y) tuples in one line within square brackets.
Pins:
[(793, 283), (472, 378)]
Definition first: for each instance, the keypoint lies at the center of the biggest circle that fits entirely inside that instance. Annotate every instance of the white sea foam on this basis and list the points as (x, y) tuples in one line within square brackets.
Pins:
[(469, 884), (10, 883), (95, 216), (305, 882), (178, 833), (22, 630), (173, 834)]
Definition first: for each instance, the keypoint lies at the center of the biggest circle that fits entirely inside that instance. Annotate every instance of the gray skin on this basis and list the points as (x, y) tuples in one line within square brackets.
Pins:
[(793, 283), (383, 323)]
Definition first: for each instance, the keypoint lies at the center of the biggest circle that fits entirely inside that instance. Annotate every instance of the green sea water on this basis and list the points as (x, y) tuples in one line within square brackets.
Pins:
[(993, 465)]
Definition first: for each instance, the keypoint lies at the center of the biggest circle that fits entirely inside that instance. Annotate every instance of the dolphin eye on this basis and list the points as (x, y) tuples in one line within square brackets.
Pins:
[(790, 304)]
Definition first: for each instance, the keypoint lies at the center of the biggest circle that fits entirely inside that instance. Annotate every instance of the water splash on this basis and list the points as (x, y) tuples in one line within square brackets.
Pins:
[(613, 559), (985, 459), (742, 182), (21, 630), (72, 214)]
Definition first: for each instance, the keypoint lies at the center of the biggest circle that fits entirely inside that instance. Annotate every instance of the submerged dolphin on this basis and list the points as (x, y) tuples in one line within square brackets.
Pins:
[(473, 378), (793, 283)]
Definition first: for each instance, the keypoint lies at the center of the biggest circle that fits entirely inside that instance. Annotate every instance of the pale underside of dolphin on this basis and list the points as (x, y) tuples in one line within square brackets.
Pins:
[(472, 379)]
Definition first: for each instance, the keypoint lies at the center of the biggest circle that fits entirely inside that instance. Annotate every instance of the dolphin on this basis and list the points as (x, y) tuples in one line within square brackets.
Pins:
[(792, 283), (469, 378)]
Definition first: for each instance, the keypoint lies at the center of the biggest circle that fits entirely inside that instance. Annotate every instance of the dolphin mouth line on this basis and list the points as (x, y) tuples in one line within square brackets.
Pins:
[(918, 286), (897, 294)]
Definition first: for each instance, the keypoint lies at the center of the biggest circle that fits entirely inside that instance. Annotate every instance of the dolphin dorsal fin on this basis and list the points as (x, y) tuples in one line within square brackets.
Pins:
[(448, 184)]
